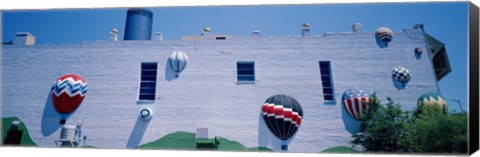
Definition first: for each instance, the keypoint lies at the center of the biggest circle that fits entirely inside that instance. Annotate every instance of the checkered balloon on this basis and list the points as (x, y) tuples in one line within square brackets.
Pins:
[(401, 74)]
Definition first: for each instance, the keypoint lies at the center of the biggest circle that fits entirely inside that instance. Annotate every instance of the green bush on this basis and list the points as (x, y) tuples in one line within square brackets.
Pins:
[(181, 140), (382, 128), (428, 129), (439, 133), (340, 149)]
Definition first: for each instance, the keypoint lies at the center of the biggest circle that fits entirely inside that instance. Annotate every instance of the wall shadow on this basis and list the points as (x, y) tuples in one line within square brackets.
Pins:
[(351, 124), (137, 133), (50, 118), (418, 55), (380, 43), (263, 133), (169, 73), (266, 137), (399, 85)]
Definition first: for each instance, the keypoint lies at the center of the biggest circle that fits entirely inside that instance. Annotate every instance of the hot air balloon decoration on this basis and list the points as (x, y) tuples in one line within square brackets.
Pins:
[(401, 74), (384, 36), (283, 116), (68, 93), (418, 51), (178, 61), (431, 99), (356, 103)]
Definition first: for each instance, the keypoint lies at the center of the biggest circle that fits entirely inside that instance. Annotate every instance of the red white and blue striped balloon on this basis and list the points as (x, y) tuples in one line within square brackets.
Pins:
[(68, 93), (356, 102)]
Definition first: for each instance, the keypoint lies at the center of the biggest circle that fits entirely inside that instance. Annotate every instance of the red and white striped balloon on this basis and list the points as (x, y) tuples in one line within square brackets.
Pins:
[(283, 116)]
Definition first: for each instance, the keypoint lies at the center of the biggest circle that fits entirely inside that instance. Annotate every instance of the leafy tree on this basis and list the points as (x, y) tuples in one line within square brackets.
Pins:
[(436, 131), (426, 129), (382, 128)]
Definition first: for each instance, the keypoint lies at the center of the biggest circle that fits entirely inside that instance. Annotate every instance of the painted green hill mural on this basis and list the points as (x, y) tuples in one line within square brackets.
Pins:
[(340, 149), (181, 140), (26, 140)]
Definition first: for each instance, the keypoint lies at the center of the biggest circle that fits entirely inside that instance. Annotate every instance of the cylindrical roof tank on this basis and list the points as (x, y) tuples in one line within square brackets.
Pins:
[(139, 24)]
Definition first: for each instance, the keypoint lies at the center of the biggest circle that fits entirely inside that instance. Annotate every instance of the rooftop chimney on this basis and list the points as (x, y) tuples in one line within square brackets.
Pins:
[(206, 30), (255, 33), (306, 29), (139, 24), (356, 27), (24, 38)]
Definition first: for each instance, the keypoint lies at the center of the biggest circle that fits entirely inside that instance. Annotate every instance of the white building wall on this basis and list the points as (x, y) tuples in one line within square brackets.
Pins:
[(207, 91)]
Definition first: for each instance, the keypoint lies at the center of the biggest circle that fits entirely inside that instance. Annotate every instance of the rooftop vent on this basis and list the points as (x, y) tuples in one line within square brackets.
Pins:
[(25, 38), (206, 30), (306, 29), (356, 27), (114, 34), (255, 33), (158, 36)]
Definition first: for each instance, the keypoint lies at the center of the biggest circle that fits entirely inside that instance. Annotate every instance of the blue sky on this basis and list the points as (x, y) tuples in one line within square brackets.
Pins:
[(445, 21)]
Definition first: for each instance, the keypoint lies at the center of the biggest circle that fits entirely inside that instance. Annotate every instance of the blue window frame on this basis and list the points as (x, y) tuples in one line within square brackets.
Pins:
[(148, 81), (246, 71), (327, 81)]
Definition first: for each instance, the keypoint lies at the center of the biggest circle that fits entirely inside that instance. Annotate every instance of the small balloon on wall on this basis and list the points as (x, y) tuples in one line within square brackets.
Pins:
[(178, 61), (401, 75), (383, 36)]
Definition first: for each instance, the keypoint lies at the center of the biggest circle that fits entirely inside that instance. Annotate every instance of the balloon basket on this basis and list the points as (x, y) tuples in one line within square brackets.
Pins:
[(62, 121), (284, 145)]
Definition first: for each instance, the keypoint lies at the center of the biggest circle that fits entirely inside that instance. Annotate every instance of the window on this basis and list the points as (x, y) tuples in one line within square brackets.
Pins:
[(220, 38), (246, 71), (327, 81), (148, 81)]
